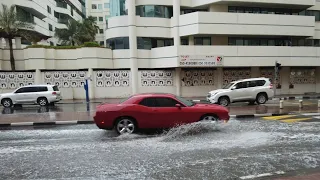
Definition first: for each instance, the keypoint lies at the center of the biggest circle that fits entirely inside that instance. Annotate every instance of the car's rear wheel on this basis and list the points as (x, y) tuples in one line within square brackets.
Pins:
[(209, 117), (125, 125), (42, 101), (6, 103), (224, 101), (261, 98)]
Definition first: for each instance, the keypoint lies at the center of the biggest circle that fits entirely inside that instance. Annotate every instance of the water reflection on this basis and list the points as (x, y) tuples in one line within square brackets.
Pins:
[(36, 109)]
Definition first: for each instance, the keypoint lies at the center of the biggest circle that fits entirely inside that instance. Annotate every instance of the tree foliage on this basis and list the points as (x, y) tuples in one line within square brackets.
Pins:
[(11, 26), (77, 32)]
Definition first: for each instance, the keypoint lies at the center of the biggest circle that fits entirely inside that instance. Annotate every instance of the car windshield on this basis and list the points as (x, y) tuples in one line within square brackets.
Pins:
[(185, 101), (227, 86), (124, 99)]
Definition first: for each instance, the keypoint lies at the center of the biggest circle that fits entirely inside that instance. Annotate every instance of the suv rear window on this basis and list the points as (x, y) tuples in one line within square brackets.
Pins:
[(55, 88)]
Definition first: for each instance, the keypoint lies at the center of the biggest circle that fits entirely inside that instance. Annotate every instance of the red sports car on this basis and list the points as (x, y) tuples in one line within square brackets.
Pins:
[(154, 111)]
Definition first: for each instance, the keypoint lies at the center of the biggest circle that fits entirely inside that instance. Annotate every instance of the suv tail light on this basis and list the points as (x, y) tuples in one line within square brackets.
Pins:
[(54, 93), (271, 86)]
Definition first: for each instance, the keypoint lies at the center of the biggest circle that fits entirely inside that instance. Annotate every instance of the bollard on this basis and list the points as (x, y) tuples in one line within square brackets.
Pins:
[(318, 103), (300, 103), (281, 104)]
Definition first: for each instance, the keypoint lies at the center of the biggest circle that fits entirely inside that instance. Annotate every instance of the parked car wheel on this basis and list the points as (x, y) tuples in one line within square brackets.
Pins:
[(6, 103), (42, 101), (224, 101), (262, 98), (125, 125)]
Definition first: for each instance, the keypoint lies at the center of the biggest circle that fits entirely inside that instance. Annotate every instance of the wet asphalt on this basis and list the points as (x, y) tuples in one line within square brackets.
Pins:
[(197, 151)]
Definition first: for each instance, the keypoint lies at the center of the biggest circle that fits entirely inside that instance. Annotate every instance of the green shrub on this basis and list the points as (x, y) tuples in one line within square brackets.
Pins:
[(38, 46), (91, 44)]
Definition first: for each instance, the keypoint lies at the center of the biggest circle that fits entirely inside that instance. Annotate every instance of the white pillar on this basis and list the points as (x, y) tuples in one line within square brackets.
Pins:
[(285, 80), (37, 77), (18, 42), (176, 15), (191, 40), (91, 83), (133, 45), (7, 43), (178, 81), (1, 43)]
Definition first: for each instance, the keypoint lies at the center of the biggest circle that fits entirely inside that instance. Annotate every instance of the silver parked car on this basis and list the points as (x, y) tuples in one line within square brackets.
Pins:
[(33, 94), (246, 90)]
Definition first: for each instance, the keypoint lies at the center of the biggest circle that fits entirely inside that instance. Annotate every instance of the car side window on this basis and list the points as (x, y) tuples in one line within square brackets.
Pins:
[(166, 102), (261, 82), (149, 102), (42, 89), (241, 85), (252, 84), (21, 90)]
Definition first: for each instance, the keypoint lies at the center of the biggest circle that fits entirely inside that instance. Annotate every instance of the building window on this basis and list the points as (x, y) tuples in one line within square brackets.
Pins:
[(100, 19), (118, 43), (144, 43), (154, 11), (50, 27), (99, 6), (148, 43), (187, 11), (95, 18), (94, 6), (49, 9), (61, 4), (100, 31), (24, 15), (106, 5), (101, 43), (71, 11), (184, 41), (205, 41), (117, 8)]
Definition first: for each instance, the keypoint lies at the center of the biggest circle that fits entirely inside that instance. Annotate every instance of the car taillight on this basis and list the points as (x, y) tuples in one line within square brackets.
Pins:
[(54, 93), (271, 86)]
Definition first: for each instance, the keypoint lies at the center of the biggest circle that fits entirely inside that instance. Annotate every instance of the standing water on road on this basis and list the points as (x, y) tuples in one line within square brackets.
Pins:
[(202, 150)]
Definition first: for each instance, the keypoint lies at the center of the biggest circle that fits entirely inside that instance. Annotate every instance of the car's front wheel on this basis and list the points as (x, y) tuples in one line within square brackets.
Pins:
[(125, 125), (6, 103), (209, 117), (224, 101)]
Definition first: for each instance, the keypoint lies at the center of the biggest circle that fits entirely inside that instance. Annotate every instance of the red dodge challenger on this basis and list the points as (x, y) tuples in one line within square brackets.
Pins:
[(154, 111)]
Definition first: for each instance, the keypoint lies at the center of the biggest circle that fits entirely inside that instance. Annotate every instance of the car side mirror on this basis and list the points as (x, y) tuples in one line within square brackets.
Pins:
[(233, 88), (178, 106)]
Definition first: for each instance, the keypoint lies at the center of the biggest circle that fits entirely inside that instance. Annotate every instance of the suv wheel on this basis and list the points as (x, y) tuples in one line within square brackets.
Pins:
[(224, 101), (6, 103), (261, 98), (42, 101)]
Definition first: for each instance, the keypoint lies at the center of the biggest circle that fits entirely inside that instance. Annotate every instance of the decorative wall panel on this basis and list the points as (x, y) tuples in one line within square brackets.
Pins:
[(235, 74), (13, 80), (112, 78), (197, 77), (65, 79), (269, 73), (303, 76), (157, 78)]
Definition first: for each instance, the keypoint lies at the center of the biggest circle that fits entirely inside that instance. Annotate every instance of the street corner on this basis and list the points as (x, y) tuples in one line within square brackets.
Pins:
[(294, 117)]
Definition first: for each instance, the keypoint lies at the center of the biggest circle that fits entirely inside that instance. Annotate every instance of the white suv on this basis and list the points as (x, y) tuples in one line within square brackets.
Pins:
[(33, 94), (247, 90)]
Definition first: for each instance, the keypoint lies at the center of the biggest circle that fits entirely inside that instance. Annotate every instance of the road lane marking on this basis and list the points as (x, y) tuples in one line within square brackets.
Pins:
[(22, 124), (295, 120), (262, 175), (317, 117), (311, 114), (278, 117)]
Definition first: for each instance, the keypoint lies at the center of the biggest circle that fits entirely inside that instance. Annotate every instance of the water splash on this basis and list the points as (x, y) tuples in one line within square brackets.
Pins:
[(197, 128)]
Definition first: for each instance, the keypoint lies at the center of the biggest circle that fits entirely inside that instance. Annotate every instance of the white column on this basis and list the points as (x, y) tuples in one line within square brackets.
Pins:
[(133, 45), (285, 80), (219, 78), (91, 83), (191, 40), (178, 81), (38, 78), (7, 43), (176, 15), (18, 42), (1, 43)]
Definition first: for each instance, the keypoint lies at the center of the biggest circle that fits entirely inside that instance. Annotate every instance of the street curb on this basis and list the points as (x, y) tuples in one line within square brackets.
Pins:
[(46, 123), (248, 116)]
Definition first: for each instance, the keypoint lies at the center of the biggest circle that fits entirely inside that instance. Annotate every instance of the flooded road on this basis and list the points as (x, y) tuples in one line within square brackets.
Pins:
[(197, 151)]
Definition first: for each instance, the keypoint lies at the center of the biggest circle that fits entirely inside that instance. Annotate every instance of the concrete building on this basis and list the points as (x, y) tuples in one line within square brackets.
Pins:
[(185, 47), (100, 10), (48, 15)]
